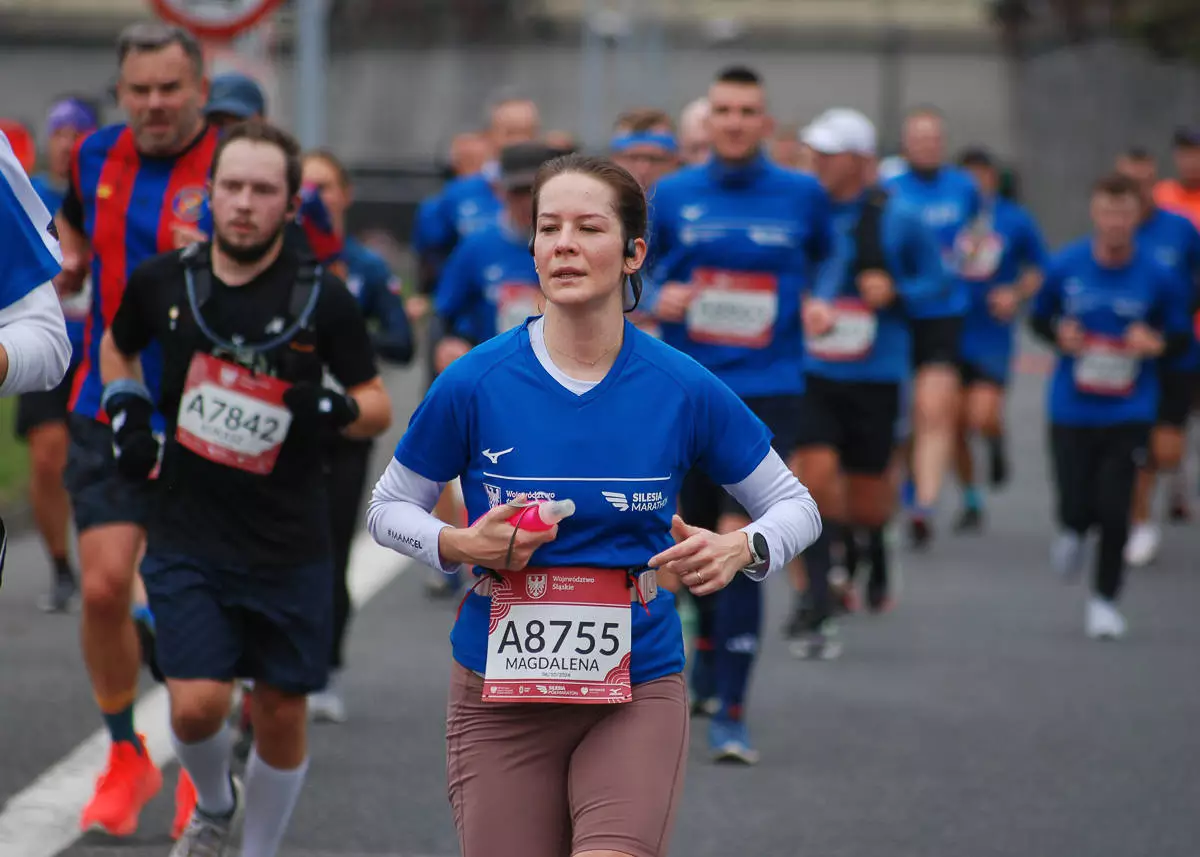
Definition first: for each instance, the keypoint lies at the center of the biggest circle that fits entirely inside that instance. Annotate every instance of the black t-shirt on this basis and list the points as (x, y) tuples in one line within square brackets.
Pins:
[(212, 510)]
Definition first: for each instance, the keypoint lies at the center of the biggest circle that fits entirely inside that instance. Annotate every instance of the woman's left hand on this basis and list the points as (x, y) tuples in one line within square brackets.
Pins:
[(702, 560)]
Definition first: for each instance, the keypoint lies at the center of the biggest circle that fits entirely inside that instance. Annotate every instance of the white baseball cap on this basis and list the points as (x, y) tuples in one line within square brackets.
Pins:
[(841, 130)]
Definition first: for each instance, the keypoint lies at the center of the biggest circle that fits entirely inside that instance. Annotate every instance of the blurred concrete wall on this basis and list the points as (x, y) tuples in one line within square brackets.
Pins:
[(1063, 114), (1078, 107), (404, 105)]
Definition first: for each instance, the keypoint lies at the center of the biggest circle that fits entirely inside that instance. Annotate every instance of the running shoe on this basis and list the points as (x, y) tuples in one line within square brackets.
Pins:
[(920, 531), (970, 521), (129, 781), (1104, 622), (1141, 549), (207, 836), (1066, 555), (60, 597), (729, 741)]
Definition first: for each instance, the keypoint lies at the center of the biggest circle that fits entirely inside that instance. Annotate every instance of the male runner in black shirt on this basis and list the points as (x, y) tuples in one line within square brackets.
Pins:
[(238, 560)]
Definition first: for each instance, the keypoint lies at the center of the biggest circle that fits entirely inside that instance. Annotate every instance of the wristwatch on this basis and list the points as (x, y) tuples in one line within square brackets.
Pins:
[(760, 553)]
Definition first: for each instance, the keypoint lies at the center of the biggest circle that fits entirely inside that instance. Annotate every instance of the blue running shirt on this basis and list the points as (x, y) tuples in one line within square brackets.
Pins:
[(497, 419)]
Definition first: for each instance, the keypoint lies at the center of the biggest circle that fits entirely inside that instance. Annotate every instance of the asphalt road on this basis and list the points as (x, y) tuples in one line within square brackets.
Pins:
[(973, 720)]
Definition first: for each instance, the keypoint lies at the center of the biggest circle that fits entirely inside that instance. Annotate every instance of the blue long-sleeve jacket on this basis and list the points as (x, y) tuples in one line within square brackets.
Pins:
[(1108, 389), (1010, 244), (947, 201), (464, 206), (1174, 243), (748, 239), (915, 264), (378, 291), (489, 284)]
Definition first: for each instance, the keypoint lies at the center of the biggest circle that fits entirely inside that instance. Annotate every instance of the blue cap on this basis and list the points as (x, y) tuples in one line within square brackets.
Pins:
[(237, 95)]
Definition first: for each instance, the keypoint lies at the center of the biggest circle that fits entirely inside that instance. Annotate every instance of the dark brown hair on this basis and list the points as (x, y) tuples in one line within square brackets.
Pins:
[(739, 74), (334, 161), (257, 131), (1115, 184), (631, 199), (151, 36)]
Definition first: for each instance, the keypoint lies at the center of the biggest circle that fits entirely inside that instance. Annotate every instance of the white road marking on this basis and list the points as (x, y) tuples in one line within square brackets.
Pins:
[(43, 819)]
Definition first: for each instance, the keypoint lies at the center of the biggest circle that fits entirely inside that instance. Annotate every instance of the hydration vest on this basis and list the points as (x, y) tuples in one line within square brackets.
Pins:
[(289, 354)]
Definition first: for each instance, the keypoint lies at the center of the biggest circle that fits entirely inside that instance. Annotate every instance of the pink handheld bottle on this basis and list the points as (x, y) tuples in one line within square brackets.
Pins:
[(542, 514)]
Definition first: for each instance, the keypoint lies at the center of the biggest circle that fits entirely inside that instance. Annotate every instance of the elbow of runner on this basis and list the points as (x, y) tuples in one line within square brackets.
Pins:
[(114, 364)]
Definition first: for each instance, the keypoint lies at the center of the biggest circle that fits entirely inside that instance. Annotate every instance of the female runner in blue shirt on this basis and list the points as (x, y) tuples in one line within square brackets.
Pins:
[(579, 405)]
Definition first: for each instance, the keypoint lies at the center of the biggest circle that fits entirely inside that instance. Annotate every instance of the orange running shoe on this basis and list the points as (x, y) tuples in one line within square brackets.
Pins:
[(128, 783), (185, 803)]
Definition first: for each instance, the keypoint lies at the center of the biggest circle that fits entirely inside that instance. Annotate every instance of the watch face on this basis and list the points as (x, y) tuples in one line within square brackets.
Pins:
[(760, 546)]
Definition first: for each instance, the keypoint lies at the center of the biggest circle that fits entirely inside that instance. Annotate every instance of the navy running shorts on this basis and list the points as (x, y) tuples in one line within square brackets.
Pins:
[(217, 622), (99, 493)]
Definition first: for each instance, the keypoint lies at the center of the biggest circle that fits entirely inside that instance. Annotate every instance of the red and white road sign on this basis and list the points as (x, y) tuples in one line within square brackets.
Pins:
[(215, 19)]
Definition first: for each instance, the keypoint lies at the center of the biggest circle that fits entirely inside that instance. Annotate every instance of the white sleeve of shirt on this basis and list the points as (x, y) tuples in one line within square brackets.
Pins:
[(400, 513), (34, 336), (400, 517), (782, 510)]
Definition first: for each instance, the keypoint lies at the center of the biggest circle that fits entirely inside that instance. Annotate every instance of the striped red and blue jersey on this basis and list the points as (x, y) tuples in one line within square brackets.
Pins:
[(129, 205), (317, 225)]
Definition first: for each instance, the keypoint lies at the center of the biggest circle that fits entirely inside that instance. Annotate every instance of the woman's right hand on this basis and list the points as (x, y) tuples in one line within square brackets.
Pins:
[(486, 542)]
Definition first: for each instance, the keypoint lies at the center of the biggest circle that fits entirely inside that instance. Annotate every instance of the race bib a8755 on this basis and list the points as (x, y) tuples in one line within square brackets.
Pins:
[(559, 635)]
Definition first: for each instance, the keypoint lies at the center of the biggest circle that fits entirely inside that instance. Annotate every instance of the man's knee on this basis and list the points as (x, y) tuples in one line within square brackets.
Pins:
[(108, 556), (198, 708)]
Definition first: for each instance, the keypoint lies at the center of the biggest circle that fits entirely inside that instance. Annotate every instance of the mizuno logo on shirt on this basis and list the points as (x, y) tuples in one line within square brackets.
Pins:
[(494, 457)]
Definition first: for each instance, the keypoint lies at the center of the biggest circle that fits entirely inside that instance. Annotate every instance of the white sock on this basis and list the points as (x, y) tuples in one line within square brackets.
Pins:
[(207, 763), (270, 798)]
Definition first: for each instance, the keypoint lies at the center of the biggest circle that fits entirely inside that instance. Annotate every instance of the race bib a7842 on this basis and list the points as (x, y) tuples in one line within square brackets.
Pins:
[(232, 416)]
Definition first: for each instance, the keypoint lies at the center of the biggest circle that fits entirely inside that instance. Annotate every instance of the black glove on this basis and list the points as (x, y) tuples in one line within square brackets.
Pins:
[(129, 411), (311, 403)]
